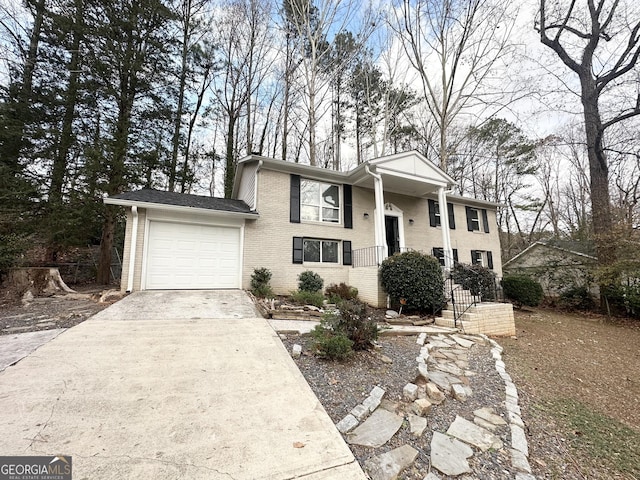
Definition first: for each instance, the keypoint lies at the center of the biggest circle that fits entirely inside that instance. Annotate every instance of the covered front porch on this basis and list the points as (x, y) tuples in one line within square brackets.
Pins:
[(412, 176)]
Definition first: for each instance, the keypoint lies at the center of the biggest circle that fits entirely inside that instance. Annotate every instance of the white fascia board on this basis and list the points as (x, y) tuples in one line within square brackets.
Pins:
[(407, 176), (473, 201), (179, 208)]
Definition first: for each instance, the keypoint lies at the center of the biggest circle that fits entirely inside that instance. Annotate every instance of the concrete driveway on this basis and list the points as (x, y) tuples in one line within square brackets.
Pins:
[(169, 385)]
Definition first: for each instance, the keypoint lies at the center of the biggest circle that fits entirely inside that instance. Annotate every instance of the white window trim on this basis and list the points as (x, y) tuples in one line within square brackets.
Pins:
[(339, 208), (436, 214), (477, 219), (321, 262)]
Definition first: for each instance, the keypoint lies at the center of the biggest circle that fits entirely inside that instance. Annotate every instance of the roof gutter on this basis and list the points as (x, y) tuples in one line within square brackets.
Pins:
[(179, 208)]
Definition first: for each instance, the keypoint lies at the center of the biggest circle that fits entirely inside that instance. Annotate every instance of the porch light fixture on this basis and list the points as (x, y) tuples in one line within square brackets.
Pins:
[(411, 221), (366, 216)]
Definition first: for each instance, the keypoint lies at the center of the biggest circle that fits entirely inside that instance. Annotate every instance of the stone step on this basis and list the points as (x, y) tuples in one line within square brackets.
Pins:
[(468, 316), (465, 326)]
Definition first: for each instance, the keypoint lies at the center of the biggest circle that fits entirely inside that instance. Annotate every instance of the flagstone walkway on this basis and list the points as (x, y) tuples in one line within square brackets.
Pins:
[(442, 375)]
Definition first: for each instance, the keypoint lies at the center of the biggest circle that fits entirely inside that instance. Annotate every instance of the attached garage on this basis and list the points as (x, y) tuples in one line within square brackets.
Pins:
[(182, 242), (187, 256)]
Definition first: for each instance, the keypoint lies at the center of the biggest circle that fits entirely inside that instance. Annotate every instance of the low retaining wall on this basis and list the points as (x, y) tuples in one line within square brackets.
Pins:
[(495, 319), (367, 281)]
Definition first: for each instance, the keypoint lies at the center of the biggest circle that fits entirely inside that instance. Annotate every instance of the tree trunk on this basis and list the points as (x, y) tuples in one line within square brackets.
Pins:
[(37, 280), (184, 67), (230, 167), (21, 115), (599, 175), (71, 97), (106, 246), (312, 125)]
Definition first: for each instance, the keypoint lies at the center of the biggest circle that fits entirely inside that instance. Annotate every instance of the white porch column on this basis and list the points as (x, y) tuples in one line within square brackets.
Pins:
[(378, 216), (446, 234)]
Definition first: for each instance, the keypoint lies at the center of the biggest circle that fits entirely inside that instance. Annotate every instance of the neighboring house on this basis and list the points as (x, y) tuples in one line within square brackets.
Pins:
[(557, 265), (290, 218)]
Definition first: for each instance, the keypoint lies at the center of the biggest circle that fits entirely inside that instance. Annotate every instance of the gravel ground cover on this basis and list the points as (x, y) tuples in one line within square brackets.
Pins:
[(340, 386)]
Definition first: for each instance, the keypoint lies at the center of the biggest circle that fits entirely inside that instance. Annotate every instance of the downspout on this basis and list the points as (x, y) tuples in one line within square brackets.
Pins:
[(446, 234), (132, 249), (255, 185), (381, 238)]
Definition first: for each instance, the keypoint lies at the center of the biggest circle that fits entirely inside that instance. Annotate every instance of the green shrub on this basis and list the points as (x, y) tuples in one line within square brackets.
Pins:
[(330, 344), (351, 320), (623, 299), (415, 277), (303, 297), (576, 298), (260, 282), (341, 292), (522, 290), (309, 281), (11, 247), (477, 279)]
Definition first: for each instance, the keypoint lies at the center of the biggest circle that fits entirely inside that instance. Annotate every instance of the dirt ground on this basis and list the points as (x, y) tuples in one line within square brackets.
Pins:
[(578, 374), (62, 310)]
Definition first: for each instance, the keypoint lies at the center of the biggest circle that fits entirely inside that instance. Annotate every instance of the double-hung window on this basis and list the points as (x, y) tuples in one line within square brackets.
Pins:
[(321, 251), (435, 214), (474, 224), (483, 258), (474, 220), (319, 202)]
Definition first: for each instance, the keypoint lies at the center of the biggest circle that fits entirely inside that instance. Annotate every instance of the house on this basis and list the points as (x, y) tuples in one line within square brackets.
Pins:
[(290, 217), (557, 265)]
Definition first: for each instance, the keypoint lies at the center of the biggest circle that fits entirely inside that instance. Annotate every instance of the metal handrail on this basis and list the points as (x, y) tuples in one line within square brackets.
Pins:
[(371, 256), (463, 297), (368, 256)]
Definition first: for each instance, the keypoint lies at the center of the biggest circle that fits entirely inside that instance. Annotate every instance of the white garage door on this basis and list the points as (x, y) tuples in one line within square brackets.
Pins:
[(186, 256)]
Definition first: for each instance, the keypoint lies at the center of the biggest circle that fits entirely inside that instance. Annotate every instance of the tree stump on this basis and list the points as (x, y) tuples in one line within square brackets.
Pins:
[(39, 281)]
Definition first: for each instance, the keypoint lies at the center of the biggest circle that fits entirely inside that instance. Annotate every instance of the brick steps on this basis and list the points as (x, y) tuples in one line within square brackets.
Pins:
[(488, 318)]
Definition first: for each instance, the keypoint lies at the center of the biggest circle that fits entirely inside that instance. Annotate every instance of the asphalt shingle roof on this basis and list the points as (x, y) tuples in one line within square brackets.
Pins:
[(150, 195)]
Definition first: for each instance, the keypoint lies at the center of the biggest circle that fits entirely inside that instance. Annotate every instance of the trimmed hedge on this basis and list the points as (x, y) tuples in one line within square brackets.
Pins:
[(522, 290), (414, 277)]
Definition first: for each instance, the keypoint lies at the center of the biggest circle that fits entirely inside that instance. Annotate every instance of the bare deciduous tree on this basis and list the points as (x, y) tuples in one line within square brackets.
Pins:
[(316, 25), (454, 46), (600, 42)]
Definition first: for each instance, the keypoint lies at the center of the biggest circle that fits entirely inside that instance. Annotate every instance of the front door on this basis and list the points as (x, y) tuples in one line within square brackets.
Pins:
[(393, 234)]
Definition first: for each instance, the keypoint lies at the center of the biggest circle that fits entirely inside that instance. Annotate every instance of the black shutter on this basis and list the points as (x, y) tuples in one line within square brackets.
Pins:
[(348, 207), (297, 249), (469, 211), (485, 220), (346, 252), (439, 254), (294, 199), (474, 257), (455, 254), (490, 260), (452, 217), (432, 213)]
